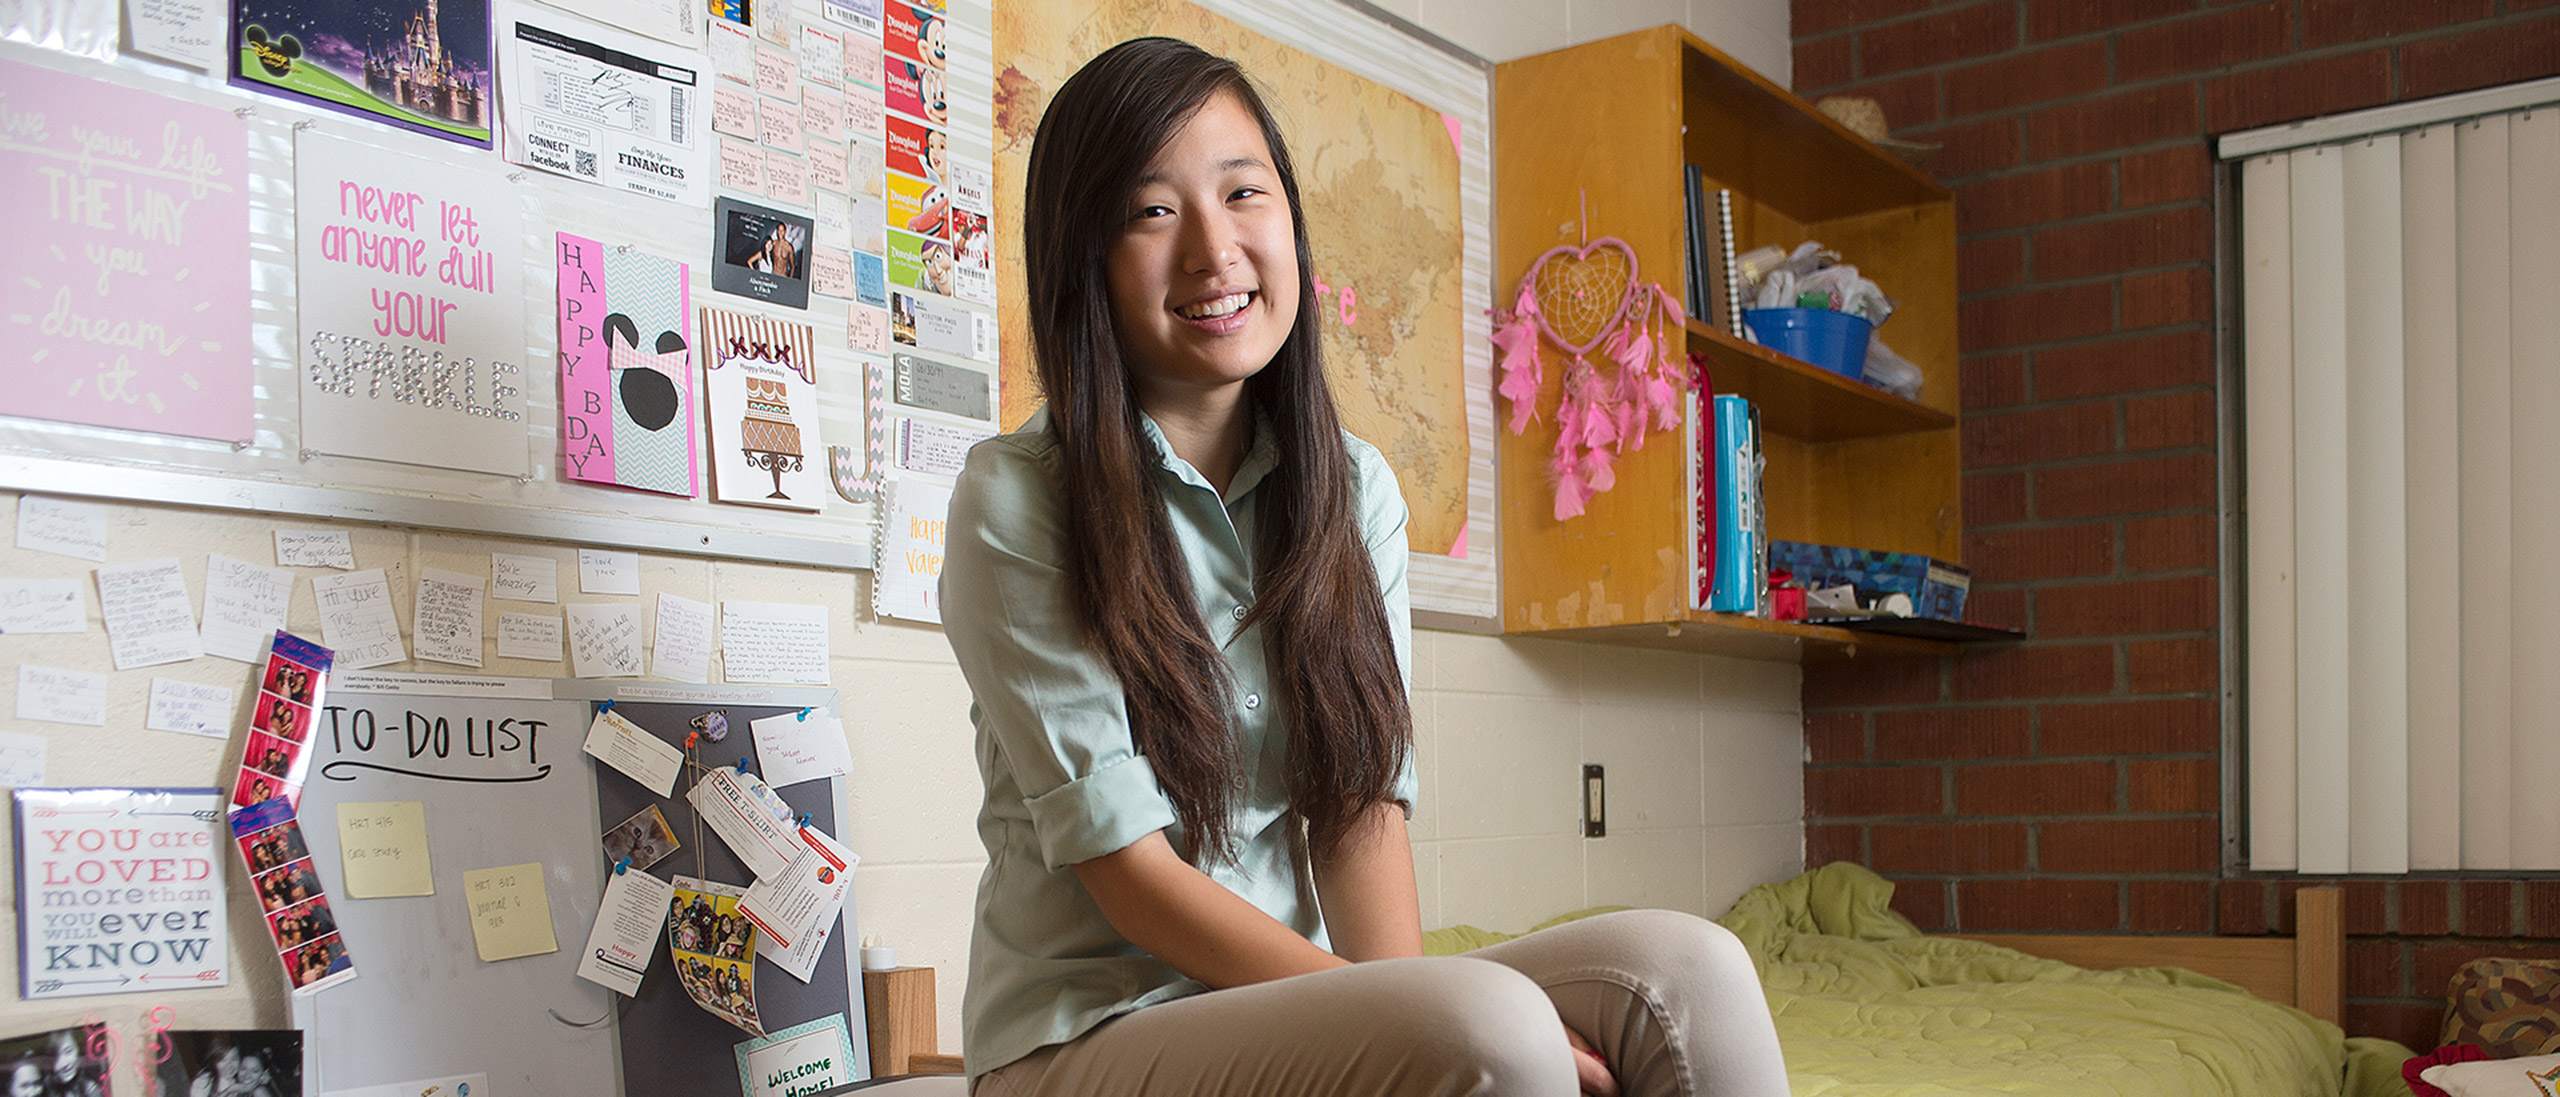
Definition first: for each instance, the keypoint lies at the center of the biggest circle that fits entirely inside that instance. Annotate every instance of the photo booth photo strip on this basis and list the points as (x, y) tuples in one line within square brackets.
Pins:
[(294, 684)]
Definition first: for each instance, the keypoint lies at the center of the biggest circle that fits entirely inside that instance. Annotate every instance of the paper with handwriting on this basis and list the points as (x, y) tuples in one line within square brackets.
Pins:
[(63, 527), (190, 708), (150, 620), (315, 548), (41, 605), (59, 696), (244, 605), (383, 847), (510, 911), (356, 619), (604, 639)]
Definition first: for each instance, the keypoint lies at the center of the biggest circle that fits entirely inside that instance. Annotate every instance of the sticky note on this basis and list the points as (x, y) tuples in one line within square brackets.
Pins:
[(384, 849), (510, 911)]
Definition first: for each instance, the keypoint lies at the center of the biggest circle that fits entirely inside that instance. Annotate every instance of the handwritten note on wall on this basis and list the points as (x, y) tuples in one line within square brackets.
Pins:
[(510, 912), (127, 303), (356, 618), (412, 313), (604, 639), (384, 849)]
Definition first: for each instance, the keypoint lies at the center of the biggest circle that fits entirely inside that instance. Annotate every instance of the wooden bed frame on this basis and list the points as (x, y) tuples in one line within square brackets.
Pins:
[(2301, 971)]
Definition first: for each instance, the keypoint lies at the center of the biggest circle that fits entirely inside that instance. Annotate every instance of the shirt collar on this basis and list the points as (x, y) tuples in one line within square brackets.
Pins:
[(1259, 459)]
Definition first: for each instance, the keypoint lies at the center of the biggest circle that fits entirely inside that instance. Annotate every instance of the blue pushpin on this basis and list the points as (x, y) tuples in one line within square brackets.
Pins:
[(804, 715), (605, 707), (742, 766), (804, 818), (622, 866)]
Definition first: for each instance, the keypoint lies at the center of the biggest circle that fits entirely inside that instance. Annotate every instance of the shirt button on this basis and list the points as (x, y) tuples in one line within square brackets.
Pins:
[(1239, 613), (1253, 700)]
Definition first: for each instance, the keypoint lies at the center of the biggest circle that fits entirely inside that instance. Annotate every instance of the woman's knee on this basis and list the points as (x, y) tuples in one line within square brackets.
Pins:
[(1666, 943), (1483, 1021)]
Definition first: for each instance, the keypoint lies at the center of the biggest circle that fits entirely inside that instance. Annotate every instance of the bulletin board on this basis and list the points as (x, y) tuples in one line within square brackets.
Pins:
[(424, 1006), (241, 439)]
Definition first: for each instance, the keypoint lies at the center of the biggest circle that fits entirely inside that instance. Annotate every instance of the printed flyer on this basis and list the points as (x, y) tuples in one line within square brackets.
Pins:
[(594, 104), (417, 64), (120, 891), (714, 948)]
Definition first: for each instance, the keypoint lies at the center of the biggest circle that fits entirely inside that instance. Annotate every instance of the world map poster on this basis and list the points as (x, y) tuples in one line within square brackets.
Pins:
[(1379, 175)]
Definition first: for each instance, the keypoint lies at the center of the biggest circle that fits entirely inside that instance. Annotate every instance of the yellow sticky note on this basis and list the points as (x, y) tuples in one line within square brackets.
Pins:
[(384, 849), (510, 911)]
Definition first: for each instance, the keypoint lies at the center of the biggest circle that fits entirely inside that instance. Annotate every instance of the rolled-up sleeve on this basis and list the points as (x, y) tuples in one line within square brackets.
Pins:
[(1054, 709), (1383, 516)]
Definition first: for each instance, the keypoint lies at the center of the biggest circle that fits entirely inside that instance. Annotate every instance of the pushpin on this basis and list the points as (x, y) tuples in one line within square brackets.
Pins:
[(622, 866), (804, 715), (804, 818), (605, 707), (742, 766), (692, 739)]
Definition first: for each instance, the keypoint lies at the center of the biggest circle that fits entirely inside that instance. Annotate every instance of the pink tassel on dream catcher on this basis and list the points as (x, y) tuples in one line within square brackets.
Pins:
[(1585, 299)]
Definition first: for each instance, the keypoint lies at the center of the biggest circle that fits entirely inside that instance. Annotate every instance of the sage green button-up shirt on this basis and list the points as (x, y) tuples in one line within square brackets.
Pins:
[(1064, 782)]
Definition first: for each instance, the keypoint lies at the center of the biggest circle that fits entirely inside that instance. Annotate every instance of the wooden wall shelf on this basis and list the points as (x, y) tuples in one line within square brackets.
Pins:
[(1594, 138), (1805, 401), (1742, 637)]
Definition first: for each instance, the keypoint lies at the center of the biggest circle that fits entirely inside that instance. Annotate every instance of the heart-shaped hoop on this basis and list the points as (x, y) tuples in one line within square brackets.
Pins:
[(1574, 262)]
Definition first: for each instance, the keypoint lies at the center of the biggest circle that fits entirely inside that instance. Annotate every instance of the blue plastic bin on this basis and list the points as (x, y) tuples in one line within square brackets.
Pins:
[(1836, 341)]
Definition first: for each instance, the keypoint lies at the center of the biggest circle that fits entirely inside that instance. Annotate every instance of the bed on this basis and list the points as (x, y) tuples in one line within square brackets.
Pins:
[(1868, 1006)]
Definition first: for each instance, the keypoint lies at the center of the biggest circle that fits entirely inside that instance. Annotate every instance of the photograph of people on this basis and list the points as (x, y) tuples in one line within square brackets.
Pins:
[(317, 960), (281, 718), (1168, 271), (26, 1078), (254, 788), (291, 681)]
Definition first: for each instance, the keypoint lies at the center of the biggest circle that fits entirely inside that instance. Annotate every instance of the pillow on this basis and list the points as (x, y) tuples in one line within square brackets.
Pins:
[(2508, 1007), (2532, 1076)]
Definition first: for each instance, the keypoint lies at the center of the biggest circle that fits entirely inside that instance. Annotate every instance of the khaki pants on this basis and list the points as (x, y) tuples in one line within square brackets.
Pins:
[(1670, 1000)]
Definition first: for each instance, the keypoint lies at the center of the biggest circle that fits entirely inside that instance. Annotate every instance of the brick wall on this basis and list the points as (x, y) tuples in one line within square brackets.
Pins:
[(2072, 782)]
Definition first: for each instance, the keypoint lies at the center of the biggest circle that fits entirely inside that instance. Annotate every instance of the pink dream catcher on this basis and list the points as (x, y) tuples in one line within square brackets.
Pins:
[(1585, 299)]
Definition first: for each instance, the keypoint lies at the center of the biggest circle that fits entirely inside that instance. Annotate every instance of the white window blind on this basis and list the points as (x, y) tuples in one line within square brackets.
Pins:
[(2400, 341)]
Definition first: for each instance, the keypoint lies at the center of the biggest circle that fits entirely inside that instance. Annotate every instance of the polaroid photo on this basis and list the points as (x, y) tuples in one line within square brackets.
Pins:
[(645, 838), (761, 253)]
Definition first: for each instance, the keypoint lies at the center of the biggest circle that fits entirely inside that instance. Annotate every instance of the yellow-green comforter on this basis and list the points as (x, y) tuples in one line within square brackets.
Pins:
[(1867, 1006)]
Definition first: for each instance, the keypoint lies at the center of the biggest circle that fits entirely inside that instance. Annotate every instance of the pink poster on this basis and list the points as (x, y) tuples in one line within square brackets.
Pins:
[(626, 368), (128, 301)]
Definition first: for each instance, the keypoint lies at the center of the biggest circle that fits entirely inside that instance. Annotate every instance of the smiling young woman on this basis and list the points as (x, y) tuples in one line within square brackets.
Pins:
[(1178, 595)]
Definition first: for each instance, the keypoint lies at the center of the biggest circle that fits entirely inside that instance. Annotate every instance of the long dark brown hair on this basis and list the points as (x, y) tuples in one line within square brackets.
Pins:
[(1326, 635)]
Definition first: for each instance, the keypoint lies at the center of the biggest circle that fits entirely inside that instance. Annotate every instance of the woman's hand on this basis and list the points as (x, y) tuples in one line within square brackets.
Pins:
[(1589, 1068)]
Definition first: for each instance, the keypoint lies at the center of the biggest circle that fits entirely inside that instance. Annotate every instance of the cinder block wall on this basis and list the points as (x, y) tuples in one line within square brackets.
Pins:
[(2073, 782)]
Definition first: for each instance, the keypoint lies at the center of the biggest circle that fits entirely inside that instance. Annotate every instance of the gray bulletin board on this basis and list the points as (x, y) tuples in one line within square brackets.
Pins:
[(666, 1040), (423, 1004)]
